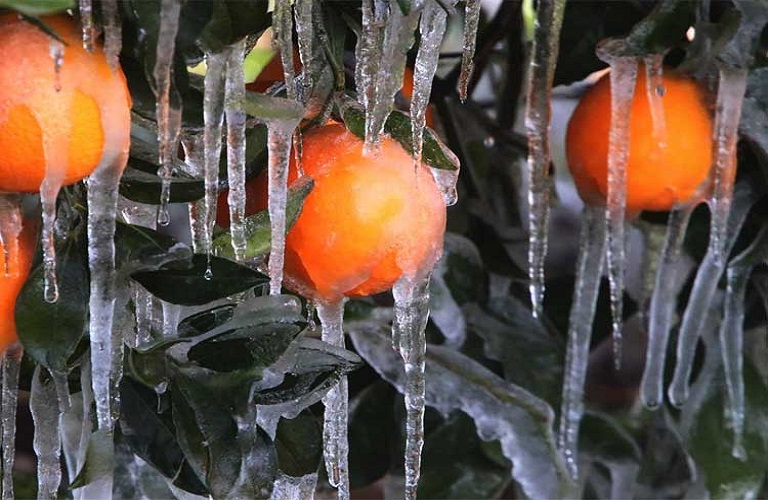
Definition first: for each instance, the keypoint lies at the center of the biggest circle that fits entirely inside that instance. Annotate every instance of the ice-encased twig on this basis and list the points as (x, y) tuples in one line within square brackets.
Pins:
[(113, 32), (45, 409), (282, 26), (732, 334), (305, 36), (335, 445), (623, 78), (11, 366), (541, 72), (408, 338), (234, 102), (702, 294), (471, 23), (168, 116), (589, 270), (662, 307)]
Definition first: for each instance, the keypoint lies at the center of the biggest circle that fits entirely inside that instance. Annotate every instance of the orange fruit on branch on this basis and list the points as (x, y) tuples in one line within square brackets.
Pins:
[(60, 115), (662, 172), (12, 282)]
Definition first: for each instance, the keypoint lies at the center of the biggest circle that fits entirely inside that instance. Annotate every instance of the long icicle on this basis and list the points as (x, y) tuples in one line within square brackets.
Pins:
[(589, 270), (724, 227), (85, 8), (623, 79), (732, 335), (279, 136), (471, 23), (335, 444), (663, 307), (11, 366), (113, 32), (538, 112), (234, 99), (44, 406)]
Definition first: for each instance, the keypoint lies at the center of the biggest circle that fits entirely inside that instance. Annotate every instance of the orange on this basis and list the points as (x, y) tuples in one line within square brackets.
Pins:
[(256, 189), (12, 282), (63, 121), (273, 73), (659, 176)]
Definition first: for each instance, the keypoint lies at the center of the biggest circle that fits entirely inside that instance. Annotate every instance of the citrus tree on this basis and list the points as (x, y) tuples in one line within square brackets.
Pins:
[(223, 292)]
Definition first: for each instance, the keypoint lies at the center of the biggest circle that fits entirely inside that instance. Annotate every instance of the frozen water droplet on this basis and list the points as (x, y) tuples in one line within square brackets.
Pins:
[(489, 142), (86, 19)]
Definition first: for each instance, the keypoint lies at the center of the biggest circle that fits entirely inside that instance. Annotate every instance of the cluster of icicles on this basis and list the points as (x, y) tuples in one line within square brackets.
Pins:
[(603, 236), (387, 36)]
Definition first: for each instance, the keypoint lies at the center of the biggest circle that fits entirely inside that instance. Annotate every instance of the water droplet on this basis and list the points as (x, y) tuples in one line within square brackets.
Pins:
[(661, 90), (489, 141)]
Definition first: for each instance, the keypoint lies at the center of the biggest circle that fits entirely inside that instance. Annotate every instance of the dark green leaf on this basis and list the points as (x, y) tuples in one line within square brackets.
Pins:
[(299, 444), (200, 323), (99, 460), (257, 228), (232, 20), (189, 286), (435, 153), (371, 434), (663, 28), (50, 332), (141, 183), (270, 108), (38, 7), (153, 436), (139, 248)]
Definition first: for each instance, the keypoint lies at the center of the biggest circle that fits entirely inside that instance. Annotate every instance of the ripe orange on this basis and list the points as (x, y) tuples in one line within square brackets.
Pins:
[(61, 119), (658, 177), (11, 284), (273, 73)]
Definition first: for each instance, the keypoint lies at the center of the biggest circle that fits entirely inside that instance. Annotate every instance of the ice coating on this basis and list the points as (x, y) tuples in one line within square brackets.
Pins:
[(294, 488), (44, 406), (366, 50), (282, 25), (10, 229), (431, 28), (589, 270), (234, 98), (471, 22), (85, 8), (730, 95), (703, 295), (113, 35), (662, 307), (335, 445), (168, 116), (11, 366), (279, 135), (408, 338), (171, 314), (305, 35), (541, 72), (732, 335), (194, 165), (623, 77), (654, 88)]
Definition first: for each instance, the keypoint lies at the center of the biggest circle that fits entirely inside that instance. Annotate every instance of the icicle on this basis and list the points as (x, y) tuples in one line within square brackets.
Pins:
[(471, 22), (408, 338), (702, 295), (86, 19), (366, 51), (538, 113), (61, 384), (168, 116), (654, 89), (282, 25), (234, 109), (294, 488), (335, 445), (171, 314), (194, 165), (589, 270), (623, 77), (730, 94), (724, 227), (11, 365), (732, 335), (305, 32), (113, 32), (663, 302), (386, 70), (43, 404), (279, 135), (432, 28), (10, 229)]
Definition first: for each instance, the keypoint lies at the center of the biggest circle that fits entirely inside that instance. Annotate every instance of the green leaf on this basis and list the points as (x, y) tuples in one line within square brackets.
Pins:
[(50, 332), (139, 248), (199, 323), (398, 125), (38, 7), (257, 228), (270, 108), (462, 269), (663, 28), (190, 287), (232, 20), (299, 444), (153, 436), (99, 460), (372, 429), (454, 464), (141, 183)]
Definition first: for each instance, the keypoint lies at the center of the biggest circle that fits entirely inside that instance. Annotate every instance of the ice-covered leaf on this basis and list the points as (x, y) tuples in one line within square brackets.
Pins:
[(454, 464), (139, 248), (51, 331), (299, 444), (604, 439), (663, 28), (462, 269), (754, 110), (141, 183), (38, 7), (189, 285), (199, 323), (152, 436), (272, 108), (500, 410), (99, 460), (372, 432), (231, 21), (398, 125), (257, 227)]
